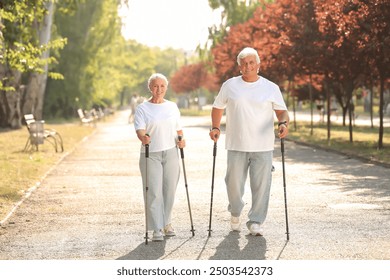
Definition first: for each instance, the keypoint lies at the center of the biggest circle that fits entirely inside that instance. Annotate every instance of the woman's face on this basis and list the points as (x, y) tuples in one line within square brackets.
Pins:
[(158, 88)]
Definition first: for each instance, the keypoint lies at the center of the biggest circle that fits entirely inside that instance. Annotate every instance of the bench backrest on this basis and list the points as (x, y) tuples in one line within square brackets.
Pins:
[(29, 118), (81, 113)]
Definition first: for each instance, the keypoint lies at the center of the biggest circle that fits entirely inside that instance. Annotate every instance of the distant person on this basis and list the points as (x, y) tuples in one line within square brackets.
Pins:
[(157, 123), (334, 107), (133, 104), (320, 108), (352, 110), (251, 102), (366, 93)]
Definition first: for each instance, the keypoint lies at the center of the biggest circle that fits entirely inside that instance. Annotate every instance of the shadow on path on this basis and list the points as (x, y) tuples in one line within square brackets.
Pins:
[(152, 251), (229, 248)]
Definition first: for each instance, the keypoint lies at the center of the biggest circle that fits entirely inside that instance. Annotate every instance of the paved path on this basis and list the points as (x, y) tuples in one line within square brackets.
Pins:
[(90, 206)]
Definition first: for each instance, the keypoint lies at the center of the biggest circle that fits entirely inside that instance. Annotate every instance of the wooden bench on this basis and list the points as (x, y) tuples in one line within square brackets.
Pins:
[(38, 134)]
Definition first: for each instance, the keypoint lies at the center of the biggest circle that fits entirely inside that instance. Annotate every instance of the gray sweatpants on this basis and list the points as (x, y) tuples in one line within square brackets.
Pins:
[(163, 177), (259, 165)]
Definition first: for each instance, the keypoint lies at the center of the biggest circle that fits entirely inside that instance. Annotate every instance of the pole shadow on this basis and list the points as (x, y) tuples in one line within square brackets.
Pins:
[(229, 248), (281, 251)]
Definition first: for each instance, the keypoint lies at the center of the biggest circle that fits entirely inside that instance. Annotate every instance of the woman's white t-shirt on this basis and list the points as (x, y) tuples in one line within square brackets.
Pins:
[(250, 113), (161, 121)]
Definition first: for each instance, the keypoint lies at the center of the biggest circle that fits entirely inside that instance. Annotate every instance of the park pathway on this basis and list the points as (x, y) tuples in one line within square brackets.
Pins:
[(90, 207)]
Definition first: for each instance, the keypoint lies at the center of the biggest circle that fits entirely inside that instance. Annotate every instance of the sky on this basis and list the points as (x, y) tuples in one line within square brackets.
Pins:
[(180, 24)]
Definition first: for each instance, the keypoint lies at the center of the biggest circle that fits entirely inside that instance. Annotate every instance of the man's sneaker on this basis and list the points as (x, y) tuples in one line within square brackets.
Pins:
[(169, 231), (158, 235), (255, 229), (235, 223)]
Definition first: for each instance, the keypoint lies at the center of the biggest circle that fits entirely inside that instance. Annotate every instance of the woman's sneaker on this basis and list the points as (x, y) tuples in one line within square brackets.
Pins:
[(169, 231), (255, 229), (158, 235)]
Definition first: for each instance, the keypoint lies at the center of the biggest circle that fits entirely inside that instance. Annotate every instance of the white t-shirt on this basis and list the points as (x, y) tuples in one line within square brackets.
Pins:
[(250, 113), (161, 122)]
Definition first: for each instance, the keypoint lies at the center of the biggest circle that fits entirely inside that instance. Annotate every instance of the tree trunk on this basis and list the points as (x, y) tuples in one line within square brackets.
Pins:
[(328, 113), (311, 105), (372, 103), (381, 108), (37, 83)]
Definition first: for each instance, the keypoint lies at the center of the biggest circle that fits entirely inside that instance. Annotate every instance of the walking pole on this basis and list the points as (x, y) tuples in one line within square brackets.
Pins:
[(212, 186), (284, 187), (146, 191), (186, 186)]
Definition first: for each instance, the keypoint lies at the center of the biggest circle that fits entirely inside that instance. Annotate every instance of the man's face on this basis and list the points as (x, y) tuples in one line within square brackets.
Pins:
[(249, 66)]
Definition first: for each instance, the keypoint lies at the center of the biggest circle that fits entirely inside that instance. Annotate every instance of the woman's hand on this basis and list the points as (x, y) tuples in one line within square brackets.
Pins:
[(181, 142), (145, 139)]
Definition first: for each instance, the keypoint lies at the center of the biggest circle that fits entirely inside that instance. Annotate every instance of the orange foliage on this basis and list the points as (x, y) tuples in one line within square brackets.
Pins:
[(192, 77)]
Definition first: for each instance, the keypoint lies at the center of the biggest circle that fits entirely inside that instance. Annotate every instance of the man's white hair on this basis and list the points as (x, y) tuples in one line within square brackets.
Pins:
[(247, 52), (157, 76)]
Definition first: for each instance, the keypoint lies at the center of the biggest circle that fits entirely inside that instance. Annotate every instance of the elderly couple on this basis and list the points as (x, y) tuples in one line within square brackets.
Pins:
[(251, 102)]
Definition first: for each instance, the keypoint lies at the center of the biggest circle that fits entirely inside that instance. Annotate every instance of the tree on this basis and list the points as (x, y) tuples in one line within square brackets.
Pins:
[(373, 20), (90, 60), (36, 86), (192, 77), (22, 54), (337, 43)]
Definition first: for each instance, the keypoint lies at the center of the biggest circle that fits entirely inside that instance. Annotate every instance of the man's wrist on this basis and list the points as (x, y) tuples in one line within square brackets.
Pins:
[(215, 128), (282, 123)]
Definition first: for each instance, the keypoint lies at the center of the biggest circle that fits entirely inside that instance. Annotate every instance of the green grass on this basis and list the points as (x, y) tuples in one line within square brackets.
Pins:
[(193, 112), (20, 170), (364, 145)]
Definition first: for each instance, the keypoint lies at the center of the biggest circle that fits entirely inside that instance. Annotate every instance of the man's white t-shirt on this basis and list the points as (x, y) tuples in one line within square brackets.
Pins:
[(250, 113), (161, 121)]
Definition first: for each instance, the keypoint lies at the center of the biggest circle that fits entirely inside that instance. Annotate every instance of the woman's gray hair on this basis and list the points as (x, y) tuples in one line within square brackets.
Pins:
[(247, 52), (157, 76)]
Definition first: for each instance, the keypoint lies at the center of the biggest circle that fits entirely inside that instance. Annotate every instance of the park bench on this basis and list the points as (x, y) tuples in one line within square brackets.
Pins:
[(38, 134), (86, 120)]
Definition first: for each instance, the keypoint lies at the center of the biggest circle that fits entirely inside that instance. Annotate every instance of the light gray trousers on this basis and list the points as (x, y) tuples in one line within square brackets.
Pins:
[(163, 177), (259, 165)]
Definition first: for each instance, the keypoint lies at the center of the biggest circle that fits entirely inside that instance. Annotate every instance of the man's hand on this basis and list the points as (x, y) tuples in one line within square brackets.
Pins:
[(214, 134)]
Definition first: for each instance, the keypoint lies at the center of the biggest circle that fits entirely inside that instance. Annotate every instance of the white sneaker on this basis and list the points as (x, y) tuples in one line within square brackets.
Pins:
[(169, 231), (255, 229), (235, 223), (158, 235)]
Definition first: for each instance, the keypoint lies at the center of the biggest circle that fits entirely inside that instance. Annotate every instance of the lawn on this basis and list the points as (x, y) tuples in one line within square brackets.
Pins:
[(364, 145), (21, 170)]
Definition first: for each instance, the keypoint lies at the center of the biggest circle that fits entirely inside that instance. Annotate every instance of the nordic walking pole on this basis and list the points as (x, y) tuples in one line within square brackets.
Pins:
[(212, 186), (284, 187), (186, 186), (146, 191)]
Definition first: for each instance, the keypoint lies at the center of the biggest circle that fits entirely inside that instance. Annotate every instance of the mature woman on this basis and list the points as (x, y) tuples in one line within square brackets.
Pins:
[(157, 123)]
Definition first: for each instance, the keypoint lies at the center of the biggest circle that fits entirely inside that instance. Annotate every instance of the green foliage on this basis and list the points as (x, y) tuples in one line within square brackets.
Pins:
[(98, 65), (234, 12), (21, 50), (92, 29)]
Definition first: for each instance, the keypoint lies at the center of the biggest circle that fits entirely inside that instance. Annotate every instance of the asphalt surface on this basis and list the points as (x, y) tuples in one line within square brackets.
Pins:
[(90, 206)]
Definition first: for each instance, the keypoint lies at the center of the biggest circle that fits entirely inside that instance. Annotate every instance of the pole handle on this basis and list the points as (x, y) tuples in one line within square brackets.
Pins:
[(181, 149), (282, 144), (147, 148), (215, 149)]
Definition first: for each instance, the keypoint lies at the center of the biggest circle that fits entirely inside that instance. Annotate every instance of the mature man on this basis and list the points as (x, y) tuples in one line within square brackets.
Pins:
[(251, 102)]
